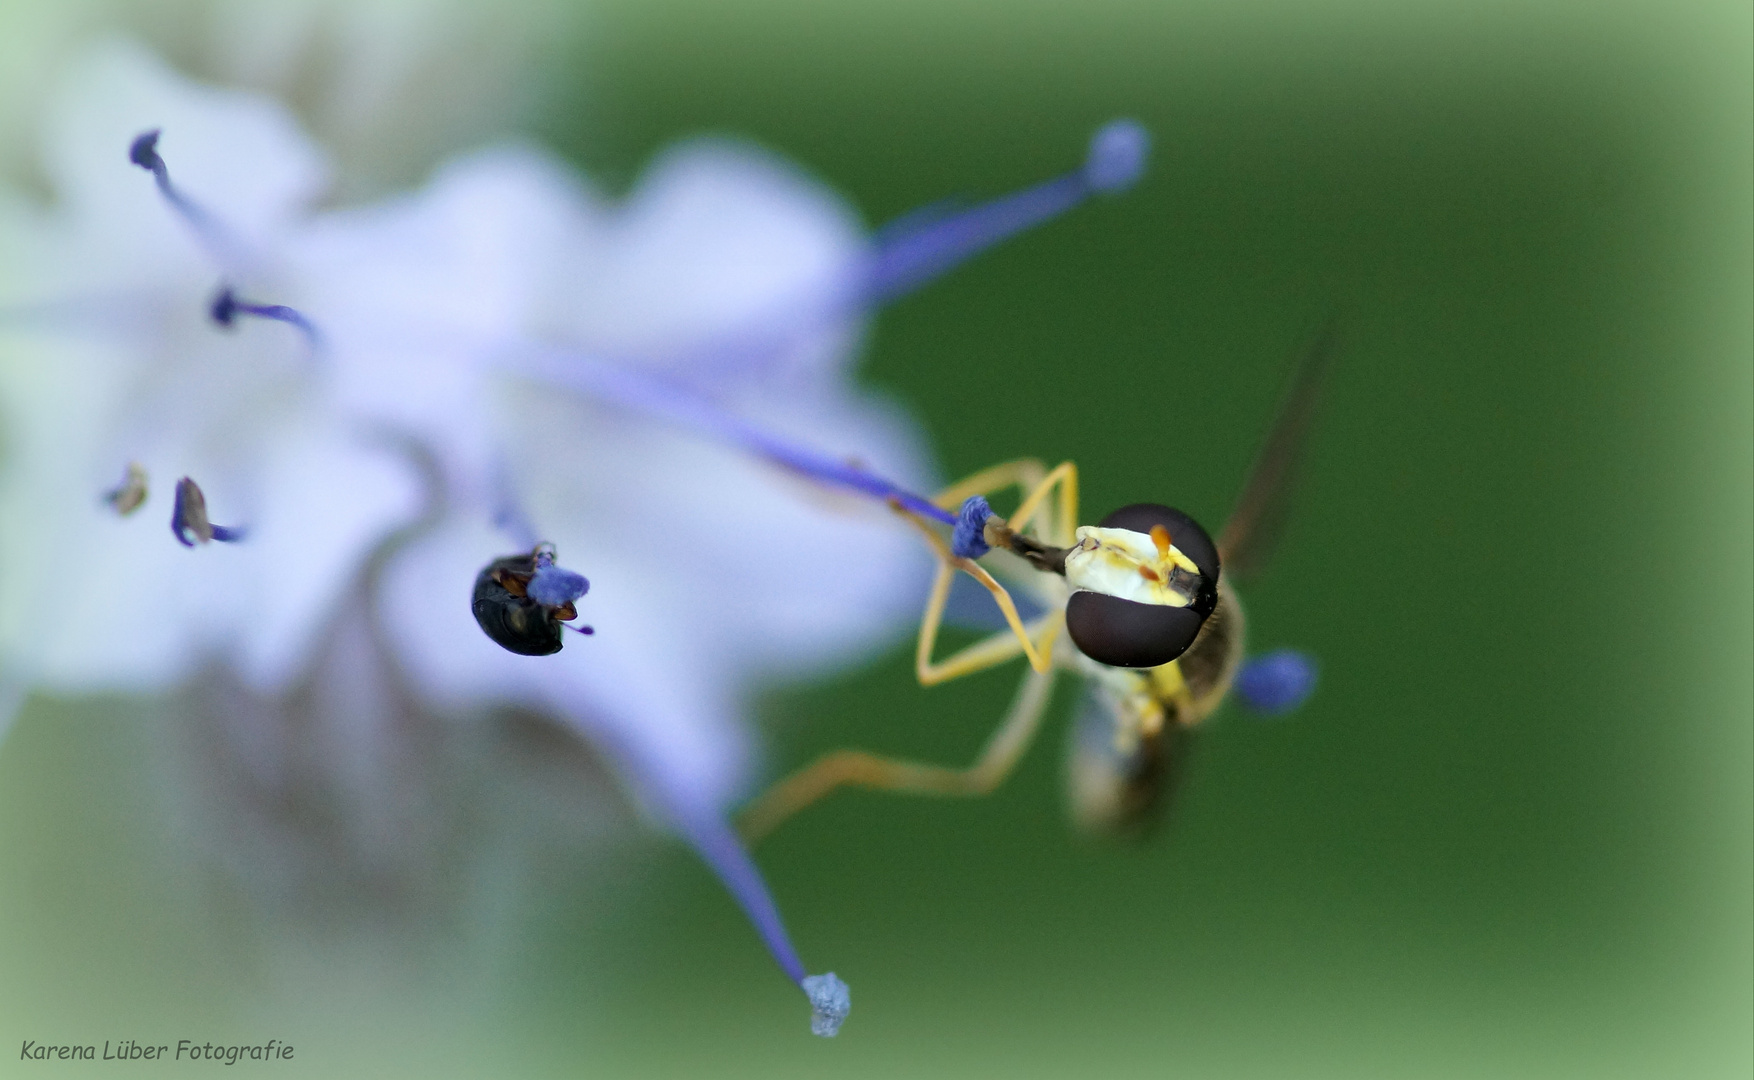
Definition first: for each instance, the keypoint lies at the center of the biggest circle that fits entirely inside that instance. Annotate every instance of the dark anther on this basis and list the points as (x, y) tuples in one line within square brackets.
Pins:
[(144, 151), (224, 309), (127, 497), (189, 521)]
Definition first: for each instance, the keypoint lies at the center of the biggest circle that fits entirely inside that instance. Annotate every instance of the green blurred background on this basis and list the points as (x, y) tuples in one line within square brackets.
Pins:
[(1511, 834)]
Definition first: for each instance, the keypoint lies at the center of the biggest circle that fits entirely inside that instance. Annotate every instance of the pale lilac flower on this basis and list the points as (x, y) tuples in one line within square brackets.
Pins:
[(499, 358), (113, 359)]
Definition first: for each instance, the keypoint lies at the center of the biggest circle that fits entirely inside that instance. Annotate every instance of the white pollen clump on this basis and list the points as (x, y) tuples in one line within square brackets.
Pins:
[(830, 1001)]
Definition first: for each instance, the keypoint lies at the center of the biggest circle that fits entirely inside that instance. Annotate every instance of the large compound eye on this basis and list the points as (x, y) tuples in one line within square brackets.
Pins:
[(1126, 633), (1131, 634)]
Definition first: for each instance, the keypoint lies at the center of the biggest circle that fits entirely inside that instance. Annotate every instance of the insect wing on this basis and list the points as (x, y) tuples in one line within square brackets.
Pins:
[(1256, 524)]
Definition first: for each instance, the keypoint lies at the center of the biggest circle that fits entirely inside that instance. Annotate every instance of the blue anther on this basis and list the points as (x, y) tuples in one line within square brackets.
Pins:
[(830, 1001), (1277, 682), (1117, 156), (968, 540), (554, 587)]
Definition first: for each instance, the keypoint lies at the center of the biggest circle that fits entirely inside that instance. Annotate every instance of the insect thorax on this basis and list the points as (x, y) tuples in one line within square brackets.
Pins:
[(1211, 662)]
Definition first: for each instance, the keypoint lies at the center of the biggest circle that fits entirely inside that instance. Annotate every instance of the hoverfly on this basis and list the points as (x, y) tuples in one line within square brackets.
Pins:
[(1145, 595)]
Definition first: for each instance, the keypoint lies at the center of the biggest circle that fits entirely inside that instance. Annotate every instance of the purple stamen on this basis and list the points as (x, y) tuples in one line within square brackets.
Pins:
[(221, 244), (701, 825), (969, 540), (669, 402), (144, 153), (920, 247), (718, 845), (226, 308), (189, 518), (1275, 683), (910, 253)]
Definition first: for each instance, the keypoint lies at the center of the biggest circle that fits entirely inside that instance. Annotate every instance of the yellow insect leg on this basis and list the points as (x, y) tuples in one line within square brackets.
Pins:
[(1025, 473), (1003, 750), (982, 654), (1059, 531)]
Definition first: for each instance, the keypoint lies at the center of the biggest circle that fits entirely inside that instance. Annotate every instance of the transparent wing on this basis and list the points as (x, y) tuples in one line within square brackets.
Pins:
[(1258, 521)]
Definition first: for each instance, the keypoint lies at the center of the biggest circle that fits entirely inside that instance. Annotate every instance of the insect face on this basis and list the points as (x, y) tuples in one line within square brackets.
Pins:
[(1146, 578)]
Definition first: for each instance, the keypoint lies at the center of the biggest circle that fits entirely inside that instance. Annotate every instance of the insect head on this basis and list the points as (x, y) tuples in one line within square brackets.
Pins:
[(1144, 581)]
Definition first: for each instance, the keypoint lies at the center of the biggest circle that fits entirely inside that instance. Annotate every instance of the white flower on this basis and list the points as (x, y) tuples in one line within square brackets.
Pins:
[(389, 87), (710, 570), (115, 360), (415, 297), (713, 570), (501, 339)]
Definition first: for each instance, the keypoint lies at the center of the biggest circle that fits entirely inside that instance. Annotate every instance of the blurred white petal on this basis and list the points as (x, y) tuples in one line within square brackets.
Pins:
[(713, 572)]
